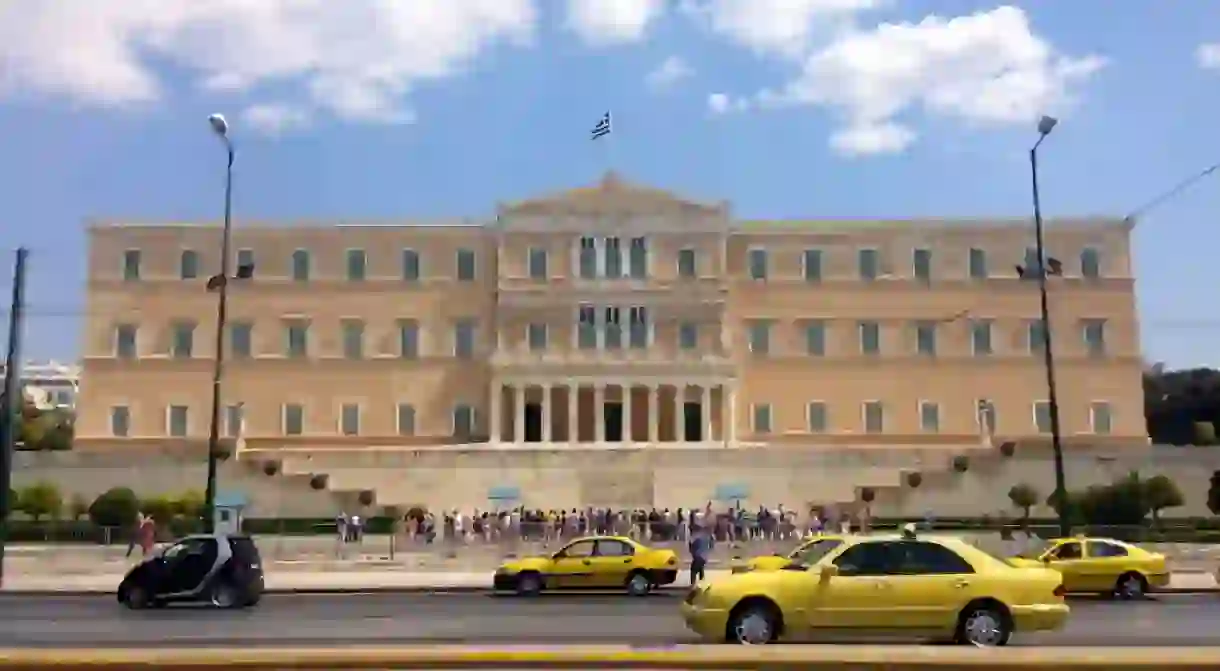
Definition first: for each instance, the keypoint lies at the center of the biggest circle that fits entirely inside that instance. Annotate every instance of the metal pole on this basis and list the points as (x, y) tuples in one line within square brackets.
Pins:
[(1048, 354), (222, 309), (12, 397)]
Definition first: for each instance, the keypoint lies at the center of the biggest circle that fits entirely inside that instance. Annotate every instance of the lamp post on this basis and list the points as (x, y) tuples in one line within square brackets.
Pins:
[(219, 284), (1045, 125)]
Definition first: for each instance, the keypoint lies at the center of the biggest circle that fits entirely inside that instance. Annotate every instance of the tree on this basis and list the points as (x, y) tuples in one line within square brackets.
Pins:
[(1024, 497), (1160, 493), (190, 505), (78, 507), (1213, 493), (115, 507), (40, 500)]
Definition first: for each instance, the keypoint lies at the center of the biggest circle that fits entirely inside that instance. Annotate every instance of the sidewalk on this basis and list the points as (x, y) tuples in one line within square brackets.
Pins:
[(382, 580)]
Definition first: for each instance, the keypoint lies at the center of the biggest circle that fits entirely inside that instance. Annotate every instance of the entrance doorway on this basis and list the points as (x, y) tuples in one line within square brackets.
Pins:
[(692, 420), (532, 416), (614, 422)]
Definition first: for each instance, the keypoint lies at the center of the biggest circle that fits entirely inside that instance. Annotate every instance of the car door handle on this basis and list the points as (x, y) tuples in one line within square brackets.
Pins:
[(626, 561), (961, 583)]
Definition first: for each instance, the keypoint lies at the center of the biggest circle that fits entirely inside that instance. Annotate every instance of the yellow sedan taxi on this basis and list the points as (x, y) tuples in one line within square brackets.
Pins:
[(933, 588), (811, 549), (1101, 566), (591, 563)]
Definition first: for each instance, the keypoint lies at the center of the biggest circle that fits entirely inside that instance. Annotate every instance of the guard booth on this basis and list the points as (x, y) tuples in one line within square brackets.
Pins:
[(229, 512), (733, 493), (503, 497)]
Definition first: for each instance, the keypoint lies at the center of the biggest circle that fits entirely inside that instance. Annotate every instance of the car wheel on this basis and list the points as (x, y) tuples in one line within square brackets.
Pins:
[(529, 584), (225, 595), (753, 625), (639, 584), (984, 626), (136, 598), (1130, 587)]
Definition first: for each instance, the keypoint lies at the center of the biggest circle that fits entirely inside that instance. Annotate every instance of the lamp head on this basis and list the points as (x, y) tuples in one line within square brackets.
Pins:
[(219, 125), (1047, 124)]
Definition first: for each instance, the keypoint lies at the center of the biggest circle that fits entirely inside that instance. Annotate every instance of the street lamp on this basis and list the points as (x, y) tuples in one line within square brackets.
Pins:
[(220, 284), (1047, 266)]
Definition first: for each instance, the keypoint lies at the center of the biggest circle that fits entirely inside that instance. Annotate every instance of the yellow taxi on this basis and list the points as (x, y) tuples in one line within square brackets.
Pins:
[(933, 588), (1101, 566), (591, 563), (811, 549)]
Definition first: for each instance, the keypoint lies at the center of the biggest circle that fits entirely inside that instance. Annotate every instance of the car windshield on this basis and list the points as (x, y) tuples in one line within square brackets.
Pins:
[(812, 553), (1035, 548)]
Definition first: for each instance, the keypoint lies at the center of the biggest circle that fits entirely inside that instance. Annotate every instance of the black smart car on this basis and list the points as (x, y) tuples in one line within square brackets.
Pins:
[(221, 569)]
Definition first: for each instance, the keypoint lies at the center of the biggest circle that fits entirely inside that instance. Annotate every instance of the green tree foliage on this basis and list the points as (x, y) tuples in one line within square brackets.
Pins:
[(1213, 493), (44, 429), (41, 500), (1182, 406), (1126, 501), (115, 508), (1024, 497)]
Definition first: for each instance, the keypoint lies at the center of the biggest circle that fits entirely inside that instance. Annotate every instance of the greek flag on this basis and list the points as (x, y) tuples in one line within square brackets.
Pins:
[(602, 128)]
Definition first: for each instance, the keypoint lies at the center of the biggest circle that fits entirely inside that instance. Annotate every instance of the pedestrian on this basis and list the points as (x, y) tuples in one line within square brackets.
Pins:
[(148, 534), (134, 538), (700, 549)]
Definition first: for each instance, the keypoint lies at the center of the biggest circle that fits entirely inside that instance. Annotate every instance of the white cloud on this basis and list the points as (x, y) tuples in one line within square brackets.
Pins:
[(668, 73), (987, 67), (274, 118), (775, 27), (356, 59), (721, 103), (609, 22), (1208, 55)]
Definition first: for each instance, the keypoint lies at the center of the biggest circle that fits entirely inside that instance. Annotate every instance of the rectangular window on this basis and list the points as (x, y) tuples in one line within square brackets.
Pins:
[(296, 339), (537, 264), (986, 417), (349, 419), (131, 265), (234, 419), (357, 264), (687, 264), (465, 265), (758, 334), (614, 328), (1090, 263), (406, 419), (1100, 418), (245, 258), (183, 342), (815, 338), (639, 258), (353, 338), (925, 338), (463, 421), (815, 413), (536, 336), (921, 264), (929, 417), (977, 261), (870, 338), (811, 265), (241, 340), (408, 339), (301, 266), (188, 264), (980, 337), (638, 324), (588, 258), (410, 265), (463, 338), (688, 336), (874, 417), (869, 264), (125, 340), (758, 264), (613, 253), (177, 421), (1035, 337), (294, 419), (120, 421), (1093, 331), (762, 418), (586, 327), (1032, 263), (1042, 416)]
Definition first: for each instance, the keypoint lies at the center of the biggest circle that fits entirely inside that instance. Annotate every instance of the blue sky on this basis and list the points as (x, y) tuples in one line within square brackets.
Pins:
[(416, 108)]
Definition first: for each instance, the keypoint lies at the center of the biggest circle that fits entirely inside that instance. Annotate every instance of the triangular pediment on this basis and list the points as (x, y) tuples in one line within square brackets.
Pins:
[(611, 193)]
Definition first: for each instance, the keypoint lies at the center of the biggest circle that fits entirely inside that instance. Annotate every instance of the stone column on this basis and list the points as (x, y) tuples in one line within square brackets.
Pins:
[(573, 414), (627, 423), (599, 413), (547, 433), (497, 412), (680, 412), (654, 421), (518, 413), (731, 390), (705, 413)]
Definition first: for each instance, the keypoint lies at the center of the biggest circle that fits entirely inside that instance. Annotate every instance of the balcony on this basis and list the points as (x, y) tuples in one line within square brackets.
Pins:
[(655, 292), (593, 362)]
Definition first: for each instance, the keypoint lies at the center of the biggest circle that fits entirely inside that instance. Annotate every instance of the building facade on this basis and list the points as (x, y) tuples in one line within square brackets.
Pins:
[(612, 314)]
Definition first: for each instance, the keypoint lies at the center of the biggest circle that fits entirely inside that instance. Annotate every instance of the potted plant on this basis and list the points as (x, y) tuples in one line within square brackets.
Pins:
[(868, 494), (271, 468), (367, 498), (318, 482), (914, 480), (961, 463), (1008, 448)]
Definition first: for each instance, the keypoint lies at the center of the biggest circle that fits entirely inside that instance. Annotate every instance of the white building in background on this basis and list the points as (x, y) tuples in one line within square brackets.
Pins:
[(50, 385)]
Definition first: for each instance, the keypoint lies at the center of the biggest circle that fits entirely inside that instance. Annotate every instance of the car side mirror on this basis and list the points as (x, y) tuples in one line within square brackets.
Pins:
[(1046, 559), (826, 572)]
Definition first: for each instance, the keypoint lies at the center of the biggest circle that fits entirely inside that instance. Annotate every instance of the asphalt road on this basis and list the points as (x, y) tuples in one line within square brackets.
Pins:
[(80, 621)]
